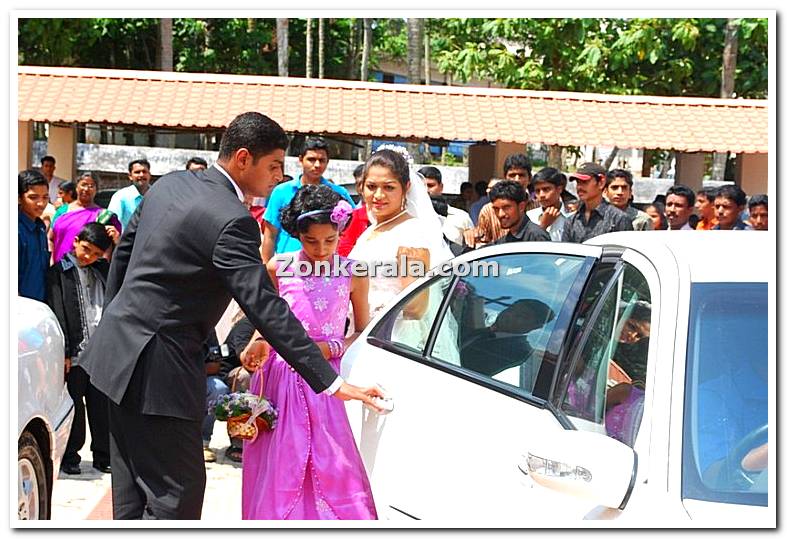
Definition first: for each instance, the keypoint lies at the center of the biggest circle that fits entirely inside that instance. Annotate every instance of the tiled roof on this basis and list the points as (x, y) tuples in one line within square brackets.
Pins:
[(363, 109)]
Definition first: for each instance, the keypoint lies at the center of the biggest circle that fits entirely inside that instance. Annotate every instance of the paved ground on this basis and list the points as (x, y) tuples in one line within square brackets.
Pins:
[(88, 496)]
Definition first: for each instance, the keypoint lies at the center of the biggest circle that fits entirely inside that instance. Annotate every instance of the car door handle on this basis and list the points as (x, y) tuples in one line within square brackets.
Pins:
[(523, 465)]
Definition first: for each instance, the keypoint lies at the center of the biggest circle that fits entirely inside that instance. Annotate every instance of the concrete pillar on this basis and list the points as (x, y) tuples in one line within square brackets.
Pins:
[(690, 169), (62, 145), (751, 173), (25, 145), (480, 162)]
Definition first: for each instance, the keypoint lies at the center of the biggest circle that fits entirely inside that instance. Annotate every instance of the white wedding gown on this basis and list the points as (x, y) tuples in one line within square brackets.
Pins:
[(381, 248)]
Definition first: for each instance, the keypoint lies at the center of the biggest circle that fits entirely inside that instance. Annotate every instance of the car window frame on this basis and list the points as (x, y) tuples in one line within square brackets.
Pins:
[(426, 357), (643, 445)]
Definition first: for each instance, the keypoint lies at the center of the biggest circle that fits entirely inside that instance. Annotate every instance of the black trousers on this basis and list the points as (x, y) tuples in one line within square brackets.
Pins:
[(158, 471), (84, 396)]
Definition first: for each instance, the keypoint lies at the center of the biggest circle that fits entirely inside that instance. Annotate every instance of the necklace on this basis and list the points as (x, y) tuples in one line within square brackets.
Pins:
[(394, 218)]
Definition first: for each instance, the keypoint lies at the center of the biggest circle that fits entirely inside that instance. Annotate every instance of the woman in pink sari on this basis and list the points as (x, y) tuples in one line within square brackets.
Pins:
[(308, 467), (80, 212)]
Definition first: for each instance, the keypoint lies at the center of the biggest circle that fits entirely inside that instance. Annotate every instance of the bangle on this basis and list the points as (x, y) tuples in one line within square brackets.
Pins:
[(336, 347)]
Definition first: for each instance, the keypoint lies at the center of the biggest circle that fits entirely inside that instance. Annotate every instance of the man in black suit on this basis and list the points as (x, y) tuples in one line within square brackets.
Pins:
[(190, 247)]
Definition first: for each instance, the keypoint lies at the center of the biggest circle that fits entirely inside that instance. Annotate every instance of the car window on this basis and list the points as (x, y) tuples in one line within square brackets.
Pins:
[(408, 324), (499, 327), (605, 390), (725, 447)]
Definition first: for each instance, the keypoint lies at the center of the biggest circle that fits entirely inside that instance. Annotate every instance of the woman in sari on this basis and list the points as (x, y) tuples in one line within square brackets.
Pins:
[(81, 211)]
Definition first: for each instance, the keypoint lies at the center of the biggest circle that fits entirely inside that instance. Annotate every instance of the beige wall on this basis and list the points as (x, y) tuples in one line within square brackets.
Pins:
[(689, 169), (752, 173), (25, 138), (62, 146)]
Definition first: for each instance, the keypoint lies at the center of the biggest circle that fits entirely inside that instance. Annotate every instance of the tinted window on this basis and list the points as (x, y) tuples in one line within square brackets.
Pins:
[(726, 408), (606, 386), (499, 327)]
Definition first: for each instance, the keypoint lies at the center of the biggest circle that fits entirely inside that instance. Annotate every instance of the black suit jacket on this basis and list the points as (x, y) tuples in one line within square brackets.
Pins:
[(190, 247)]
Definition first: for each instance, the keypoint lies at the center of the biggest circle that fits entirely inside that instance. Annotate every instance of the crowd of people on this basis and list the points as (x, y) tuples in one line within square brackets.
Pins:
[(308, 467)]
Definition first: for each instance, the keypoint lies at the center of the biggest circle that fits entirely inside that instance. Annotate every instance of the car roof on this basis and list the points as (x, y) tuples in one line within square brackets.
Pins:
[(710, 256)]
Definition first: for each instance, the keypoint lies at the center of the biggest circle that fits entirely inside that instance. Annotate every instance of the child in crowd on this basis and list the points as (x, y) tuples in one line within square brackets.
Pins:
[(75, 292), (308, 467), (33, 245)]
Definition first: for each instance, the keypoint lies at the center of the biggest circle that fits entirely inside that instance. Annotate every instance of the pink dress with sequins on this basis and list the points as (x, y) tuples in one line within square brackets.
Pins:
[(308, 467)]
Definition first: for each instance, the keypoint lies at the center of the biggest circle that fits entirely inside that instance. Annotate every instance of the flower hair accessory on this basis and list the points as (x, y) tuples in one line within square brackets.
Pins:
[(341, 214), (400, 150)]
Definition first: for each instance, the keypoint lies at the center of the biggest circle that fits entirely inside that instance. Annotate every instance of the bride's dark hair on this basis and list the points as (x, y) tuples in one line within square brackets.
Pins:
[(391, 160), (308, 198)]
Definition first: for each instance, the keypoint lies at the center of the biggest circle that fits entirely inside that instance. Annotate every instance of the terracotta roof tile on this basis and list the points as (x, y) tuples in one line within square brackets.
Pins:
[(201, 101)]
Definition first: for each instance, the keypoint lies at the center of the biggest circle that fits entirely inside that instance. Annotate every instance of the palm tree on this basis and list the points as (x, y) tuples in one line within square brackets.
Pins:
[(321, 48), (414, 49), (367, 48), (283, 46), (308, 48), (165, 45), (729, 61)]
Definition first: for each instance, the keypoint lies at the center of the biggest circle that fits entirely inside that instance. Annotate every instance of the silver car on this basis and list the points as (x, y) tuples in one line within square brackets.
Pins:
[(45, 411)]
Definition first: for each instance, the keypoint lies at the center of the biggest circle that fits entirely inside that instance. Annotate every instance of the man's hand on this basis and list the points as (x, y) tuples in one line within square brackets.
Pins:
[(66, 367), (348, 392), (212, 368), (549, 216)]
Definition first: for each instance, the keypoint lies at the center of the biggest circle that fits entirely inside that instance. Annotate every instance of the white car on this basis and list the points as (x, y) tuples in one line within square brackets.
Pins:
[(629, 378), (45, 408)]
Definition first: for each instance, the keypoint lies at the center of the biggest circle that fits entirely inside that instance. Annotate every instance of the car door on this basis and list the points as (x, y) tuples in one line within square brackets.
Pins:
[(470, 375), (618, 367)]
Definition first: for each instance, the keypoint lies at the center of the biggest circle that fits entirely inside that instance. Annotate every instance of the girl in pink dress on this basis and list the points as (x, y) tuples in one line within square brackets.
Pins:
[(308, 467)]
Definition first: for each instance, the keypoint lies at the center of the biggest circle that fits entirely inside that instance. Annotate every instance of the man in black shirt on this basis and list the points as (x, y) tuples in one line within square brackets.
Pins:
[(595, 216), (509, 201)]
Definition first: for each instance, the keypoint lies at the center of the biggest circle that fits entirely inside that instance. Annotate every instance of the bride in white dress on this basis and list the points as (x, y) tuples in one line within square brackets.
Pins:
[(403, 222)]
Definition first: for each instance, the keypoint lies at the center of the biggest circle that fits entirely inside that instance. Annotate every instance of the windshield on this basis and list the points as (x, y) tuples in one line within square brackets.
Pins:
[(725, 449)]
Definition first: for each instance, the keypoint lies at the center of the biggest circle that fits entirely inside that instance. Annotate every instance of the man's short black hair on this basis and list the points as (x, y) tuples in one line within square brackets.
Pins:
[(431, 173), (509, 190), (465, 185), (517, 160), (358, 172), (616, 173), (440, 204), (256, 132), (682, 191), (47, 159), (196, 161), (30, 178), (734, 193), (314, 144), (758, 200), (549, 175), (144, 162), (95, 233), (480, 187), (709, 192)]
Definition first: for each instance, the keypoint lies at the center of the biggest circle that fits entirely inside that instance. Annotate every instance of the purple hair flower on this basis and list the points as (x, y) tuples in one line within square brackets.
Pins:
[(341, 214)]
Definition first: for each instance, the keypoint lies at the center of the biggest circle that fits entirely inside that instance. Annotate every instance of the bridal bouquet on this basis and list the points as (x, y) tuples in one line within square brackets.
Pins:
[(246, 414)]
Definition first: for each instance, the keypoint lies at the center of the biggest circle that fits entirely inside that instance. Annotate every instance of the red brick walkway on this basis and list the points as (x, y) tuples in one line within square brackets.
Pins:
[(102, 510)]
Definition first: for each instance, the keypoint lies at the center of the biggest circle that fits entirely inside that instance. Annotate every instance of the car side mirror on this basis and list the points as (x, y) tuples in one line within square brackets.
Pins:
[(583, 464)]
